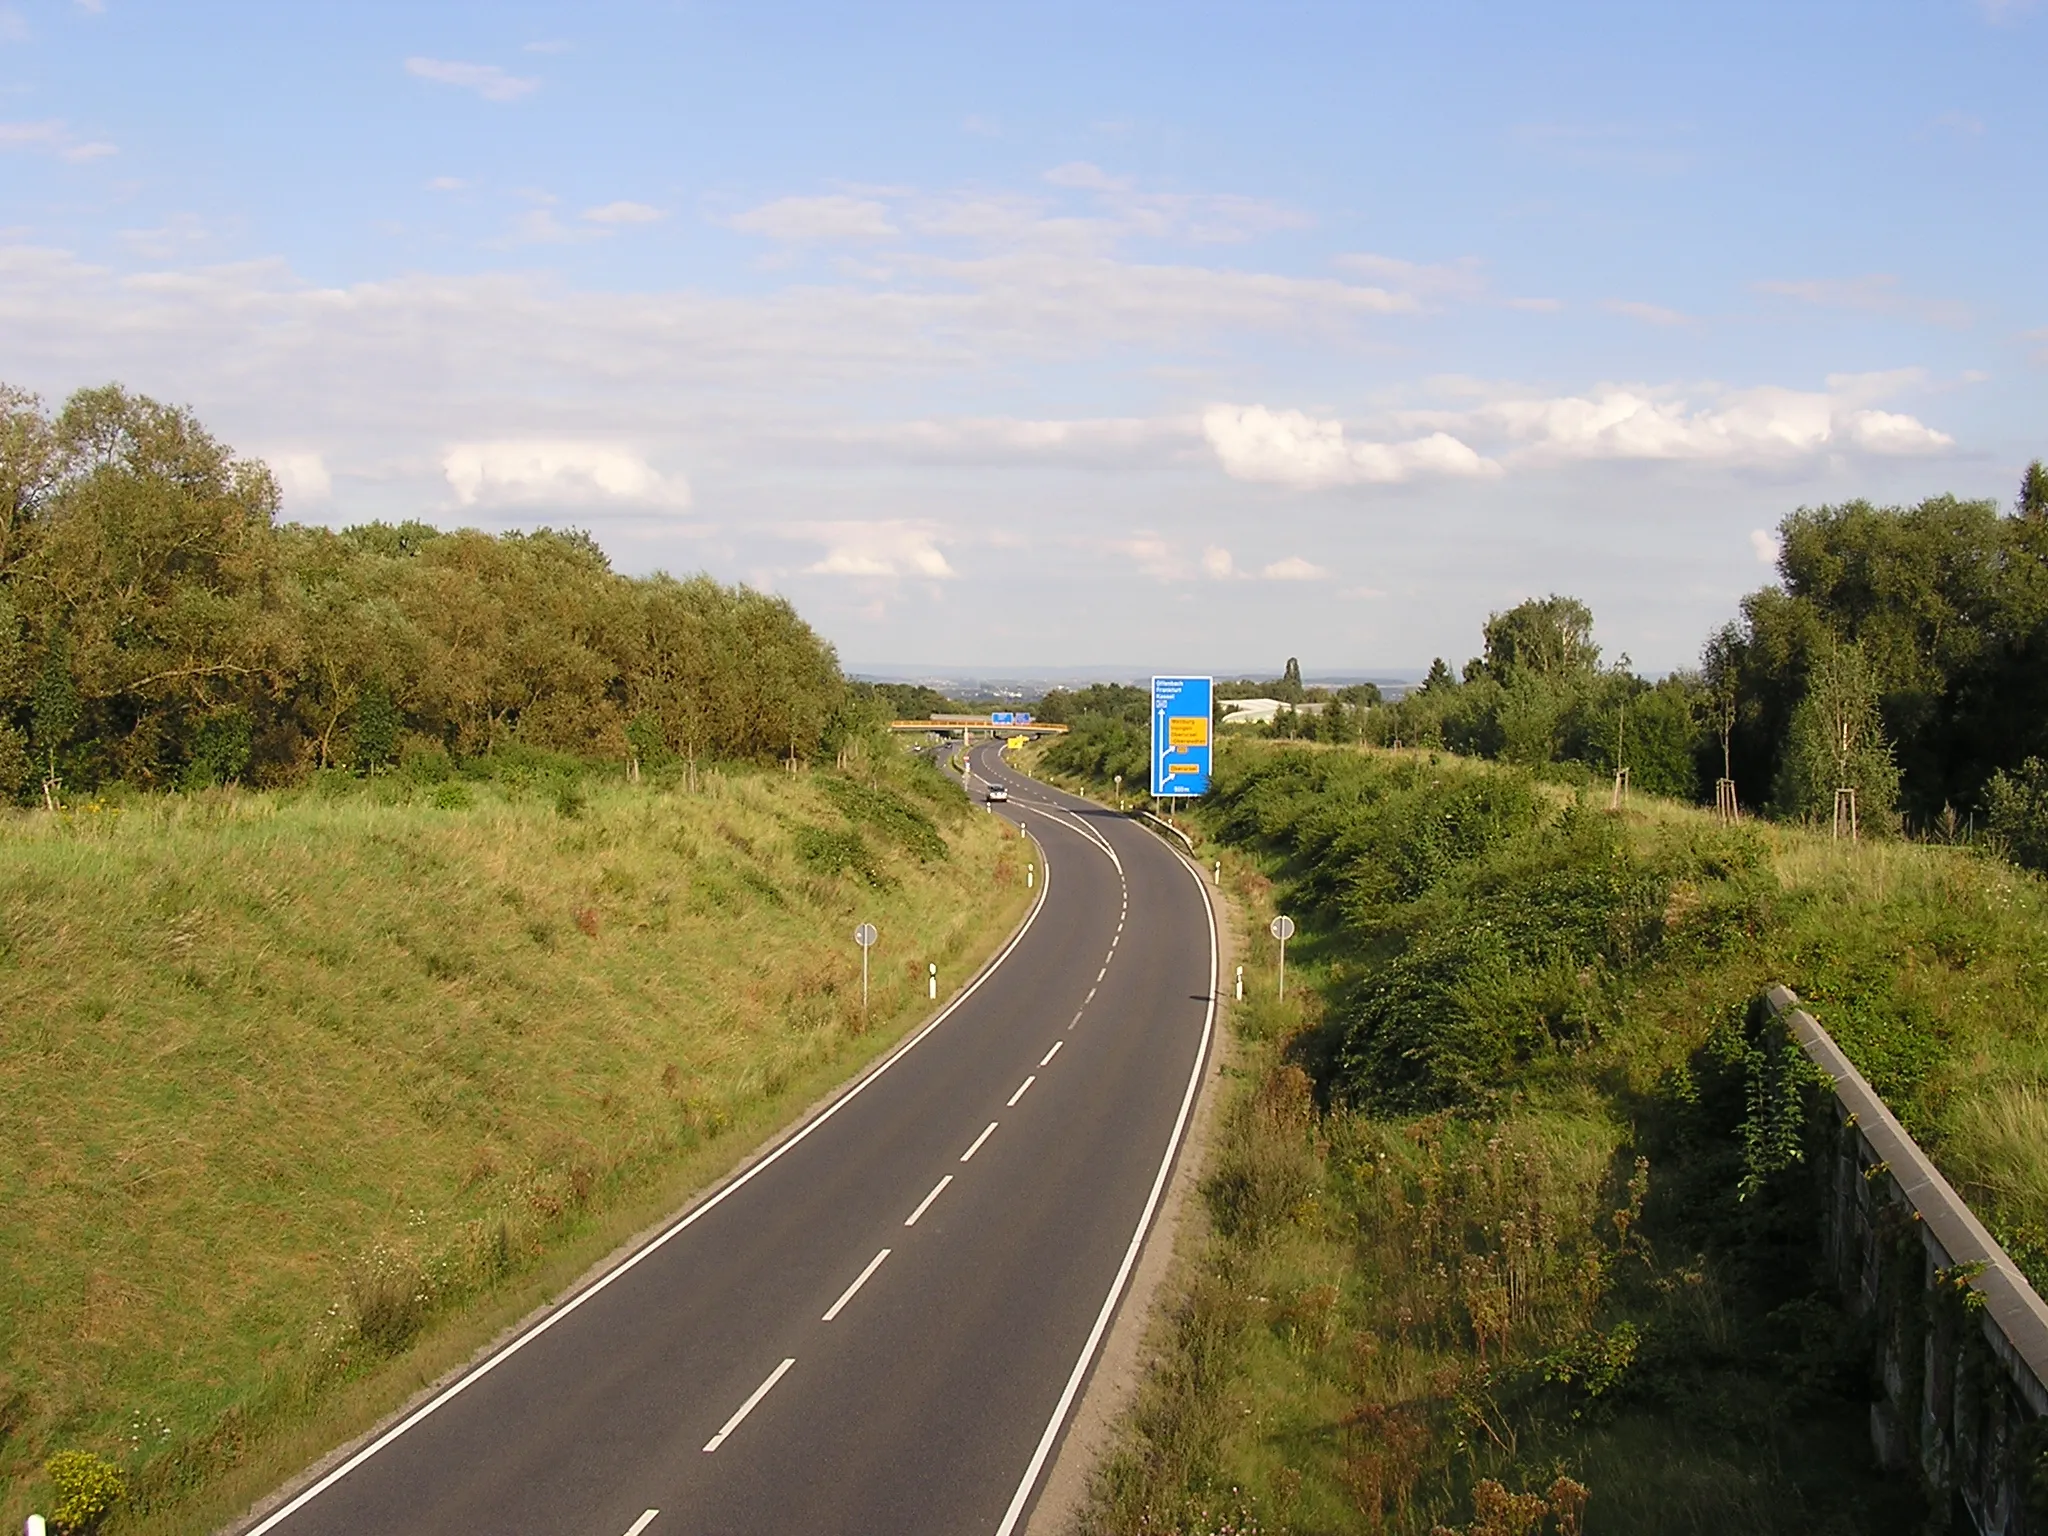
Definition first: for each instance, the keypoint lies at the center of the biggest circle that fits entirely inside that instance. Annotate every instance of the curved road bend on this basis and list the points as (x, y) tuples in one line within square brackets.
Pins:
[(761, 1368)]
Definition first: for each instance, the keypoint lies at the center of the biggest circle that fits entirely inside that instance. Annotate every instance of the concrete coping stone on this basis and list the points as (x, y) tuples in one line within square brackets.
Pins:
[(2014, 1316)]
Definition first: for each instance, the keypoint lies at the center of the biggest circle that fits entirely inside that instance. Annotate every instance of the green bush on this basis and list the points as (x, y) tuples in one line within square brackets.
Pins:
[(452, 797), (86, 1488), (888, 813), (2018, 812)]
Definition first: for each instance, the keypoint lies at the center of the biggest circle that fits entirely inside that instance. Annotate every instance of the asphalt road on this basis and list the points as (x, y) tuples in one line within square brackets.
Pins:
[(881, 1328)]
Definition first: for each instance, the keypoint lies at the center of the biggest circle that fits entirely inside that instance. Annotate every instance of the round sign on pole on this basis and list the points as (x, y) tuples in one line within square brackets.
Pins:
[(1282, 928), (865, 935)]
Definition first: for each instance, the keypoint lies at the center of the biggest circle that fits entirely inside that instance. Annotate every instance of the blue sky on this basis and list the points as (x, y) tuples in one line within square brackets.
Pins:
[(1065, 335)]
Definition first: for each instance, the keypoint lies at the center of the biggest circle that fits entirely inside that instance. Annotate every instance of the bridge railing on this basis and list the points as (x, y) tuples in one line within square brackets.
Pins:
[(1961, 1335)]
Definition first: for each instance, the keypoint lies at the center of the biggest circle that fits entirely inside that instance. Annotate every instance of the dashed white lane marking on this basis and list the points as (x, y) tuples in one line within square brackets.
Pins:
[(848, 1294), (749, 1405), (926, 1203), (1091, 995), (1076, 1018), (1046, 1060), (1020, 1091), (642, 1523), (1102, 973), (984, 1136)]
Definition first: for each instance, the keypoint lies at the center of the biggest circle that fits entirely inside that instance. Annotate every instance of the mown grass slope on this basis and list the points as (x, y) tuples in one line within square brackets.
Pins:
[(303, 1090), (1507, 1196)]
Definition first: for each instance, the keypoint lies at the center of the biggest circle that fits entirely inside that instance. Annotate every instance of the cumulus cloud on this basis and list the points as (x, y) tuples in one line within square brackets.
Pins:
[(486, 80), (624, 213), (1750, 425), (837, 217), (53, 136), (525, 472), (446, 184), (1086, 177), (302, 477), (1766, 544), (1218, 564), (1292, 448), (885, 548)]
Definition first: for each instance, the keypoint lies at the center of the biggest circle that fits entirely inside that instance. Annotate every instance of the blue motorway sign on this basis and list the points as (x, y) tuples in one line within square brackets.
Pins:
[(1181, 734), (1002, 717)]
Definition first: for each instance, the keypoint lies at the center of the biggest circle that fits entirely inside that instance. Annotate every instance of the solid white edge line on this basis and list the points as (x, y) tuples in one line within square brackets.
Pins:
[(1020, 1089), (1116, 1289), (859, 1280), (470, 1378), (984, 1136), (642, 1523), (753, 1402), (1051, 1053), (926, 1203)]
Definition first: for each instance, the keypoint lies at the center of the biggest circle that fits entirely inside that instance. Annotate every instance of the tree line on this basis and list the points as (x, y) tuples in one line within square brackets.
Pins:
[(1902, 653), (160, 627)]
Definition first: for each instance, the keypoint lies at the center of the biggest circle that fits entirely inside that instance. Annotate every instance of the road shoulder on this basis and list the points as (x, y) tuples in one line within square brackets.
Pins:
[(1177, 1231)]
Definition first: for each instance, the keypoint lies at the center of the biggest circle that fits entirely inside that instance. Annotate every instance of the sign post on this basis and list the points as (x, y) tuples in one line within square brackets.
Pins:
[(1181, 738), (865, 937), (1282, 928)]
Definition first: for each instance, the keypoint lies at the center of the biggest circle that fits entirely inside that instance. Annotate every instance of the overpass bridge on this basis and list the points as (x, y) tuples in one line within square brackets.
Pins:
[(996, 723)]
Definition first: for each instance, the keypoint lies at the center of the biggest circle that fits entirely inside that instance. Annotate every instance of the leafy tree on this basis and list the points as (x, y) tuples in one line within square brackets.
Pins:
[(1837, 742), (2017, 807), (2033, 497), (1289, 687), (1550, 637)]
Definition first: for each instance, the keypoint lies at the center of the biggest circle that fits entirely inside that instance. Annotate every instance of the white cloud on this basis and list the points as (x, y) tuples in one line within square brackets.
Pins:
[(1743, 426), (446, 184), (1873, 293), (487, 80), (2039, 336), (52, 136), (1102, 441), (1966, 123), (1766, 544), (1292, 448), (1461, 279), (1649, 314), (547, 45), (1218, 564), (518, 472), (1294, 568), (1086, 177), (1888, 432), (13, 25), (624, 213), (1537, 306), (885, 548), (836, 217), (1154, 556), (302, 477)]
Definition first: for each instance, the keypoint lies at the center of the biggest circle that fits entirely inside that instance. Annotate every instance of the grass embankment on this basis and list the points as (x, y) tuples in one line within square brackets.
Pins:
[(305, 1095), (1500, 1209)]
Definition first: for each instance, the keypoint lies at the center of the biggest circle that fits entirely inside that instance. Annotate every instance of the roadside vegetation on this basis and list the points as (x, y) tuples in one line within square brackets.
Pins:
[(1509, 1228), (309, 1091), (392, 920)]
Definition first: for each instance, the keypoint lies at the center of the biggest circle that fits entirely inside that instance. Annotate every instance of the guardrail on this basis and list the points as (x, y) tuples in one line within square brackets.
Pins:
[(1958, 1400), (1170, 829)]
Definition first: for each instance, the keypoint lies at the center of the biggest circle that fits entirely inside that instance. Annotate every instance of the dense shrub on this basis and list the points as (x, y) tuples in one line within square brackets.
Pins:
[(2017, 808), (85, 1488)]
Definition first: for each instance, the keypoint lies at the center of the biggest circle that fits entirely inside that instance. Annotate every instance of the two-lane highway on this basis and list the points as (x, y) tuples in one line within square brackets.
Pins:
[(882, 1326)]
